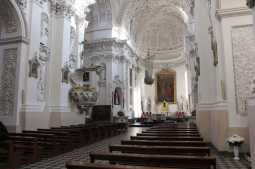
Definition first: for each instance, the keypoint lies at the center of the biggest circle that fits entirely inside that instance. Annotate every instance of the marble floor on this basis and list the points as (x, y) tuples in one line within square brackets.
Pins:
[(224, 161)]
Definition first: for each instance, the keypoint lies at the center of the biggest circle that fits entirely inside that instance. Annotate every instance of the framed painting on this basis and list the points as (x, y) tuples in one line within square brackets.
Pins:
[(166, 86)]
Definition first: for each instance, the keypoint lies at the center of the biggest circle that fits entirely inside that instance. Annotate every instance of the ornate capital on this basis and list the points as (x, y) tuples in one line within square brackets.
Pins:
[(61, 8)]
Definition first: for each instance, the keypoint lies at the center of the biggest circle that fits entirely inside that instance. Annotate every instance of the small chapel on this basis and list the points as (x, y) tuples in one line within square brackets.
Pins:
[(127, 84)]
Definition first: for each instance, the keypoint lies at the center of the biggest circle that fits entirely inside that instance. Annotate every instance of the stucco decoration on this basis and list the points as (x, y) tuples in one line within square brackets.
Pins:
[(8, 82), (7, 18), (44, 28), (211, 31), (73, 47), (22, 4), (43, 58), (244, 64), (100, 14), (155, 25), (62, 8)]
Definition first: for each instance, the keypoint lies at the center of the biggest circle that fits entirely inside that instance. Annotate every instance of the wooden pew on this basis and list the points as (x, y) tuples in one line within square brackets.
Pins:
[(60, 144), (188, 132), (86, 165), (161, 150), (164, 143), (187, 162), (172, 129), (47, 143), (168, 134), (166, 138), (78, 137), (22, 150)]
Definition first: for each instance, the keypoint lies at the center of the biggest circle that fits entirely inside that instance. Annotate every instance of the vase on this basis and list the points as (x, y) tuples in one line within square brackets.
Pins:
[(236, 152)]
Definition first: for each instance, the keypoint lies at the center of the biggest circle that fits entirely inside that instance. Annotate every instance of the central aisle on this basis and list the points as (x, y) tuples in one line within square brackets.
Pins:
[(58, 162)]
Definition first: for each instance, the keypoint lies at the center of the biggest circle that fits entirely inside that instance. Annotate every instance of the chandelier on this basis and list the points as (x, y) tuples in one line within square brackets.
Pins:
[(149, 69)]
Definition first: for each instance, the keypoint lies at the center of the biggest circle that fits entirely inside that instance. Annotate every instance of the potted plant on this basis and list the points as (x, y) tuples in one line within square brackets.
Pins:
[(235, 141)]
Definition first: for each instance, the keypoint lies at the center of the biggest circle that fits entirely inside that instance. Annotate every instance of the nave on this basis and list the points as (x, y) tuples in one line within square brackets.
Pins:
[(223, 160)]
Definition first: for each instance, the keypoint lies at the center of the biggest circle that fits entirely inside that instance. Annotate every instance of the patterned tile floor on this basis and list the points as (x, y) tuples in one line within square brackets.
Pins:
[(224, 161)]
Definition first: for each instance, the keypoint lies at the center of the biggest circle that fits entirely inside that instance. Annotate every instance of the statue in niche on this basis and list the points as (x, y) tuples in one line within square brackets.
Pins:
[(65, 74), (101, 72), (86, 76), (33, 67), (118, 96), (43, 58), (44, 53)]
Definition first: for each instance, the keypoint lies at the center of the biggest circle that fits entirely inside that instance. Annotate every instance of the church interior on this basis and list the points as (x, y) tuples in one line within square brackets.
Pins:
[(124, 84)]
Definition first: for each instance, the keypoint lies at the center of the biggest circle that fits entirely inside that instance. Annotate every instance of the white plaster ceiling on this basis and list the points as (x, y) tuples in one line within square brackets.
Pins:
[(155, 25)]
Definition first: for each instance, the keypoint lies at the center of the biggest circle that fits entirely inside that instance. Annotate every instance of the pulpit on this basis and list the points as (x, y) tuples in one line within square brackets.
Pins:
[(251, 112)]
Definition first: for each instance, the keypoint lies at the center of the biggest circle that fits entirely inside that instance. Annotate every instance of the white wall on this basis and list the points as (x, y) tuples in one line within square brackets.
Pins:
[(228, 23)]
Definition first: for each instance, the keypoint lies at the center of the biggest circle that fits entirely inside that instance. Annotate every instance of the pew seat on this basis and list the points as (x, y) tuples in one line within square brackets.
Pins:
[(166, 138), (86, 165), (164, 143), (160, 150), (168, 134), (187, 162)]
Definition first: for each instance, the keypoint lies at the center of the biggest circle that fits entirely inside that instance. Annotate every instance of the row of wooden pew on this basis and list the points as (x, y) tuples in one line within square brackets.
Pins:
[(31, 146), (168, 146)]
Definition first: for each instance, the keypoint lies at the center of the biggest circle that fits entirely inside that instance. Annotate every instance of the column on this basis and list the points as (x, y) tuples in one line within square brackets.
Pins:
[(251, 115)]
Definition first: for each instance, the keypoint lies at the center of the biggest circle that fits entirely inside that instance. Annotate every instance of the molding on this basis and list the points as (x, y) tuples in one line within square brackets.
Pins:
[(59, 109), (32, 108), (224, 13), (18, 39), (213, 106)]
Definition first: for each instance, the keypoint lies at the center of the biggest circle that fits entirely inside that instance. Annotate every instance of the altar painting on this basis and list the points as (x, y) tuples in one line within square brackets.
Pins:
[(166, 86)]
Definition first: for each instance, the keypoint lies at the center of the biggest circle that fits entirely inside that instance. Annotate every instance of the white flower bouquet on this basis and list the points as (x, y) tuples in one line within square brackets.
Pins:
[(235, 140)]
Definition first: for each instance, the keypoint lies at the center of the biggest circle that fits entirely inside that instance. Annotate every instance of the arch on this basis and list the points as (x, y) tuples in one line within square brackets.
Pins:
[(20, 18)]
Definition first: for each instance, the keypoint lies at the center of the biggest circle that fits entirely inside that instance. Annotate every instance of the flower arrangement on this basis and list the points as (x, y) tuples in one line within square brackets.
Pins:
[(235, 140)]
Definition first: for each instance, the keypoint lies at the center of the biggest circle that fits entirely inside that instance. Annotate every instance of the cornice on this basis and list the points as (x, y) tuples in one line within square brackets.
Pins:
[(224, 13), (32, 108), (18, 39), (213, 106)]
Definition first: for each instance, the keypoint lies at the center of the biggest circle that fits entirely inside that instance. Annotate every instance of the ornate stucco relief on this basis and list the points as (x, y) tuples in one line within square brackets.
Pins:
[(7, 82), (22, 4), (244, 64), (7, 18)]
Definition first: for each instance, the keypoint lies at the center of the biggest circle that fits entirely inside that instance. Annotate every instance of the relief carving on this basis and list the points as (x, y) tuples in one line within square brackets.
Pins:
[(8, 82), (244, 64), (44, 28)]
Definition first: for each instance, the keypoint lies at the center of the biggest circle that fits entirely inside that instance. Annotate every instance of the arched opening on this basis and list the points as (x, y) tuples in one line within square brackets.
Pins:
[(12, 39)]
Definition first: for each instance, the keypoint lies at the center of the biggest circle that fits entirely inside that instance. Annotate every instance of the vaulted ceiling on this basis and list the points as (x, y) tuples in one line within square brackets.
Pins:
[(158, 26)]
